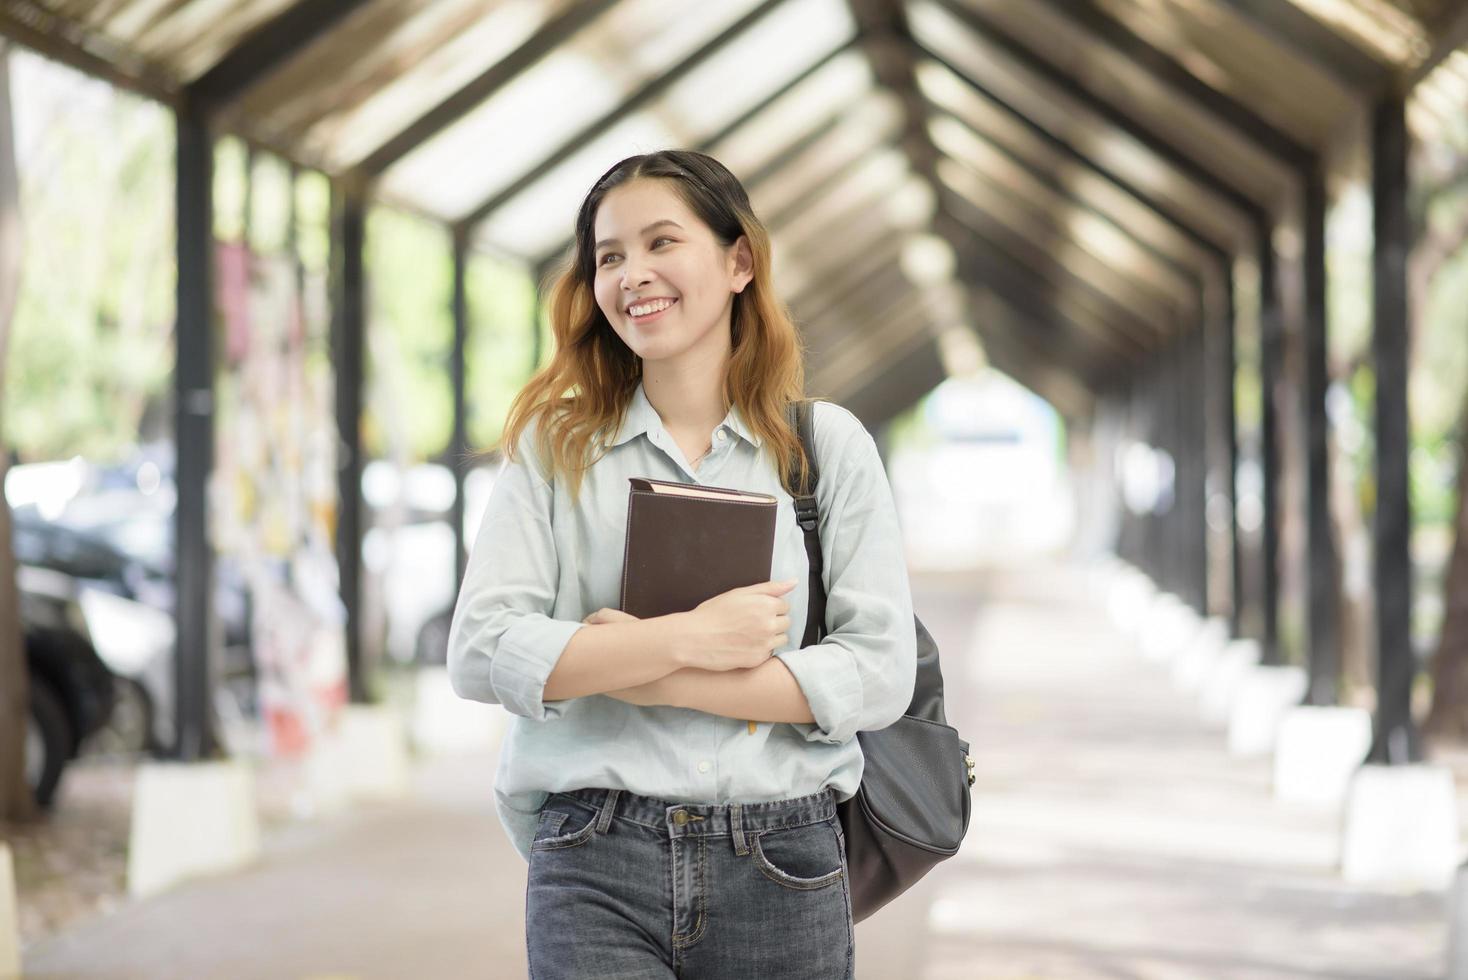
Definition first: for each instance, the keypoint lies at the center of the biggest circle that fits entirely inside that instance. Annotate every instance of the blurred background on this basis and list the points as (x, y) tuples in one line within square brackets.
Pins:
[(1155, 309)]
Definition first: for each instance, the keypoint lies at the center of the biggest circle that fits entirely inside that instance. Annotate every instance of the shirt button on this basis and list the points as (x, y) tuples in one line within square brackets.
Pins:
[(704, 766), (722, 435)]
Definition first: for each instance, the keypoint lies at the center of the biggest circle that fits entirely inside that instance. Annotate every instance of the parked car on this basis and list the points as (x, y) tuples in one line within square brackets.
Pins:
[(116, 549), (72, 692)]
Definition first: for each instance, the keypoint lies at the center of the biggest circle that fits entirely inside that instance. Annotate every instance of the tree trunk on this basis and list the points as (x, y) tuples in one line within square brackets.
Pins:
[(16, 802), (1449, 713)]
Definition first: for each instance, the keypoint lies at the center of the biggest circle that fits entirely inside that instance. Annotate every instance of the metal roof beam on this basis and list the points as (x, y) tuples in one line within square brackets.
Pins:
[(1108, 113), (880, 291), (759, 107), (999, 324), (1217, 250), (1132, 331), (798, 146), (1448, 36), (1316, 43), (1168, 72), (61, 39), (863, 273), (551, 35), (980, 263), (268, 47)]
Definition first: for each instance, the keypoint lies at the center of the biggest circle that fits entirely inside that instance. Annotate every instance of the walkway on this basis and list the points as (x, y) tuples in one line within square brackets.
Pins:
[(1112, 838)]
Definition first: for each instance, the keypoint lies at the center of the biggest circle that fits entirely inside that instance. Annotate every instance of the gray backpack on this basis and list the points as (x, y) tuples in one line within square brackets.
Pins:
[(912, 808)]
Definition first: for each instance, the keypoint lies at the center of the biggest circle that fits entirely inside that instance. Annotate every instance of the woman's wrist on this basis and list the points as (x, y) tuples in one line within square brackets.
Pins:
[(674, 640)]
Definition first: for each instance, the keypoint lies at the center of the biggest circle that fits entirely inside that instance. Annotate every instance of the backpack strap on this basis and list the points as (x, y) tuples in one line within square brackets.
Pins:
[(807, 515)]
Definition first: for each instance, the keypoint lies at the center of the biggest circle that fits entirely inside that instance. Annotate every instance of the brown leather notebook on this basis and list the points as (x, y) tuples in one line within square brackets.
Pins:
[(687, 542)]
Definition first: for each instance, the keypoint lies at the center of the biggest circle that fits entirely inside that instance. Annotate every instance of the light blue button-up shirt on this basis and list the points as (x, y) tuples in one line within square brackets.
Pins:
[(540, 564)]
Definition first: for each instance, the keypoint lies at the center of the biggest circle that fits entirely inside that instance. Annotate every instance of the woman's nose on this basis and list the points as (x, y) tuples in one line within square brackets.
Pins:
[(635, 274)]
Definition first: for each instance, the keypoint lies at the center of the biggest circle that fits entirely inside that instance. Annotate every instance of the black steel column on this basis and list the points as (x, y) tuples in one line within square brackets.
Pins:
[(1184, 449), (1271, 363), (1166, 402), (1197, 447), (1229, 366), (1165, 413), (1396, 739), (1159, 413), (1129, 534), (348, 335), (194, 437), (1321, 567), (459, 444)]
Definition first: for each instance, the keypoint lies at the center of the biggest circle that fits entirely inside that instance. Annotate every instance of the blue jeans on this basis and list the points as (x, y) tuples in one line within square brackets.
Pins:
[(628, 886)]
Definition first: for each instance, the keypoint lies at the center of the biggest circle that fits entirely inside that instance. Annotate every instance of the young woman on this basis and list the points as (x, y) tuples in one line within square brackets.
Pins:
[(673, 781)]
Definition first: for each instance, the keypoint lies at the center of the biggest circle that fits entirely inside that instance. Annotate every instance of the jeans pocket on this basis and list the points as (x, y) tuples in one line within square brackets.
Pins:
[(556, 816), (802, 858)]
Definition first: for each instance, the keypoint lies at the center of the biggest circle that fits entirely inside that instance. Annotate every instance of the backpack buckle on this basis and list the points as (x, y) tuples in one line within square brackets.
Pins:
[(807, 515)]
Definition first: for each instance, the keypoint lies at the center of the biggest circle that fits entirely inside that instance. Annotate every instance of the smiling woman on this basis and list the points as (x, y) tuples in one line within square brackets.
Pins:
[(701, 746)]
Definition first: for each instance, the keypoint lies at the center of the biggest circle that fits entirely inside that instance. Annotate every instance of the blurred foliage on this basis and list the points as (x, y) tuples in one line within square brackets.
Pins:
[(409, 413), (500, 349), (92, 348)]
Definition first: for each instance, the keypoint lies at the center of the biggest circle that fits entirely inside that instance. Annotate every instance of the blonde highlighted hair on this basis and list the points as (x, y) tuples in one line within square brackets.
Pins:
[(589, 382)]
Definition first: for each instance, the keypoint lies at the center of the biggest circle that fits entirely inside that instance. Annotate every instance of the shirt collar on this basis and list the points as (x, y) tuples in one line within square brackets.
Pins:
[(642, 417)]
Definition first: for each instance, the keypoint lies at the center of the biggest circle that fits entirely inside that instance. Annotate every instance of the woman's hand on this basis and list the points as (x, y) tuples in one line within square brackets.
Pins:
[(739, 628), (605, 615)]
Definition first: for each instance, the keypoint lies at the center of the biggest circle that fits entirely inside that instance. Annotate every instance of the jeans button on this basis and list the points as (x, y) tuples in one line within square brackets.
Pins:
[(680, 818)]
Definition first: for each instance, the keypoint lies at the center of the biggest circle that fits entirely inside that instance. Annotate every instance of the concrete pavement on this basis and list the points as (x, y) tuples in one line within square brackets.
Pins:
[(1112, 837)]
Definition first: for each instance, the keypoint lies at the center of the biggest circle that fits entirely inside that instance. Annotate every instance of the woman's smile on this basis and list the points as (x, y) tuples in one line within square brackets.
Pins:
[(665, 305)]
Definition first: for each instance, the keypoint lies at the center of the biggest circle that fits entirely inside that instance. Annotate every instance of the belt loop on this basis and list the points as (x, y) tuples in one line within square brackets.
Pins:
[(605, 819), (736, 828)]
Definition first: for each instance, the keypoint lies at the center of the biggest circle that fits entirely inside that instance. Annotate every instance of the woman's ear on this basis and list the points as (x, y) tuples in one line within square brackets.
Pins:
[(741, 264)]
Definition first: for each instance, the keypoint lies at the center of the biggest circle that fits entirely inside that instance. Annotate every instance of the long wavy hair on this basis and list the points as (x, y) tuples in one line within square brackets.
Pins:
[(586, 387)]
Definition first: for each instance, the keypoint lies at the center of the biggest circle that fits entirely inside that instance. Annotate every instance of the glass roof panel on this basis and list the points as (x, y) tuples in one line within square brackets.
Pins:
[(419, 67), (762, 59), (835, 86), (880, 171), (492, 146), (1438, 107), (865, 126), (536, 222), (586, 78), (949, 94), (379, 43), (1379, 26), (642, 38), (189, 37), (1219, 47), (1052, 111), (1153, 104)]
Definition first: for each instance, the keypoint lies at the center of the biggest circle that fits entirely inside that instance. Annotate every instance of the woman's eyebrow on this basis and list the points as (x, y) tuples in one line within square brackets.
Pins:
[(655, 224)]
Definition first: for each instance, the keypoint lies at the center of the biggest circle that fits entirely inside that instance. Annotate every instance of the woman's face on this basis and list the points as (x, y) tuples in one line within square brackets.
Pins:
[(654, 257)]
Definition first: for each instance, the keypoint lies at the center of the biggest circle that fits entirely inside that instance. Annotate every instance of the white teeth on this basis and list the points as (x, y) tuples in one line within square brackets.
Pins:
[(653, 307)]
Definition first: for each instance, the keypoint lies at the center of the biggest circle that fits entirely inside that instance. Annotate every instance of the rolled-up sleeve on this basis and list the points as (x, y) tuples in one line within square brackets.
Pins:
[(503, 642), (861, 676)]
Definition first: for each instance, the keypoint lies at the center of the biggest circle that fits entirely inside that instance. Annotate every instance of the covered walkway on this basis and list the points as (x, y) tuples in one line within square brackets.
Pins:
[(1121, 204), (1112, 837)]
